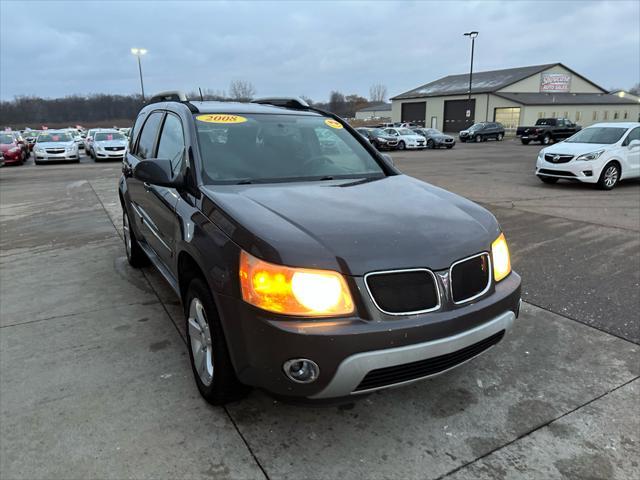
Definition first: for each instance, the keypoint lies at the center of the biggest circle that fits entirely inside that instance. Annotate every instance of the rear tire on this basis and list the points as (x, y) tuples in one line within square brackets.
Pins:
[(500, 137), (430, 144), (546, 140), (210, 361), (610, 176), (549, 180), (135, 255)]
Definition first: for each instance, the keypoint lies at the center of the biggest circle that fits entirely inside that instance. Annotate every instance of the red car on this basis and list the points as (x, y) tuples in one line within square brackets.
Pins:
[(12, 151)]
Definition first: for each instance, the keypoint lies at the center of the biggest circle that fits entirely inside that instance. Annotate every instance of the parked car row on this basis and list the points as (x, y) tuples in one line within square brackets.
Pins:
[(62, 145), (402, 138)]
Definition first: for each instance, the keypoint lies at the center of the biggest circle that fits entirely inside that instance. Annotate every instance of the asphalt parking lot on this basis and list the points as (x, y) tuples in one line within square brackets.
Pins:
[(95, 379)]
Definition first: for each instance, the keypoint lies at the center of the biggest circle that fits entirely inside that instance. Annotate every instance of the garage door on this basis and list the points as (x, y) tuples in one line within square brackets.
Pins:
[(415, 112), (455, 115)]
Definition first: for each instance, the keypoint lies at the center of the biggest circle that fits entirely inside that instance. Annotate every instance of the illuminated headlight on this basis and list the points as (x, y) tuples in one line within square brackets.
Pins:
[(293, 291), (500, 257), (591, 156)]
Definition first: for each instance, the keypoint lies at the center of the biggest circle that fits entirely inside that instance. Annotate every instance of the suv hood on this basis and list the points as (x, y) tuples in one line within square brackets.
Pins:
[(352, 226), (575, 148)]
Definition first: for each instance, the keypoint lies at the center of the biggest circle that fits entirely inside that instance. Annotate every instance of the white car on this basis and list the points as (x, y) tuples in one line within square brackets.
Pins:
[(407, 138), (108, 145), (55, 146), (87, 141), (604, 154)]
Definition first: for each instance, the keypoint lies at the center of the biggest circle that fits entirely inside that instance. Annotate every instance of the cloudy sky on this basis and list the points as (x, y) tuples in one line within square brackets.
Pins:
[(54, 48)]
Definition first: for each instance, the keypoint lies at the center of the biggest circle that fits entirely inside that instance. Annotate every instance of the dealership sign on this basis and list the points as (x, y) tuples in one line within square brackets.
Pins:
[(555, 82)]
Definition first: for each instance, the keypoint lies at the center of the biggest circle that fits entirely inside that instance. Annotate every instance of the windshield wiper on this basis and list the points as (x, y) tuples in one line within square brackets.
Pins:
[(326, 177), (244, 181)]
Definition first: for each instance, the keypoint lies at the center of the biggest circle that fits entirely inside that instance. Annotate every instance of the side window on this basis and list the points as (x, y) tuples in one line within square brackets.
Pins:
[(148, 136), (133, 136), (171, 144), (633, 135)]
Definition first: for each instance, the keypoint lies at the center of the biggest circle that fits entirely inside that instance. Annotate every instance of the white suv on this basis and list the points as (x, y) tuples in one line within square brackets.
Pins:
[(407, 138), (603, 153)]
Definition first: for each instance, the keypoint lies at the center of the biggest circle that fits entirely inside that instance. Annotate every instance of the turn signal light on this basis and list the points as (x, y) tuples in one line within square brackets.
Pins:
[(293, 291), (501, 260)]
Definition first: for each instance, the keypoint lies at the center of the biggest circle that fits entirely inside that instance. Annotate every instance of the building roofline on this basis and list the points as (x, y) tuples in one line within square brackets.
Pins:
[(537, 69)]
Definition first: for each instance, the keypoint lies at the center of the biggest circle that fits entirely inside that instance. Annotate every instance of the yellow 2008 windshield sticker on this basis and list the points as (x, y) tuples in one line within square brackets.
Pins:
[(221, 118), (333, 123)]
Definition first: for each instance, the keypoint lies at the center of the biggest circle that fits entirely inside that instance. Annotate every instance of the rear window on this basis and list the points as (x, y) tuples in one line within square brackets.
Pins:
[(546, 121), (268, 148), (6, 139)]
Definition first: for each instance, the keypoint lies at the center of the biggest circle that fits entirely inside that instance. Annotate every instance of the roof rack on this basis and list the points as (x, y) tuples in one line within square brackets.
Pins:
[(295, 103), (173, 96)]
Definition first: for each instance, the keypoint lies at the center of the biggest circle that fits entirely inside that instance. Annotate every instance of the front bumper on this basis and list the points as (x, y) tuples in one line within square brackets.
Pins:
[(347, 349), (56, 157), (109, 155), (12, 158), (413, 145), (584, 171)]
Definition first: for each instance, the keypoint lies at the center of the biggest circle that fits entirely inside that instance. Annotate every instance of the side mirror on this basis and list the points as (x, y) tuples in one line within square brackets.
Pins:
[(634, 144), (387, 158), (157, 171)]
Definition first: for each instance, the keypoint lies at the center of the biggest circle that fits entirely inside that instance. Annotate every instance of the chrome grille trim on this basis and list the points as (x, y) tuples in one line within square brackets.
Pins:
[(489, 281), (384, 272)]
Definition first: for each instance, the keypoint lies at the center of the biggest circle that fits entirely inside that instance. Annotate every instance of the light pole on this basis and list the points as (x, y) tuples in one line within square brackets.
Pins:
[(138, 52), (472, 36)]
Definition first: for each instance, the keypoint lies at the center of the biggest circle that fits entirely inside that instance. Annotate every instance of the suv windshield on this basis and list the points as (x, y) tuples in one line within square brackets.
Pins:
[(406, 131), (54, 137), (6, 139), (597, 135), (107, 136), (263, 148)]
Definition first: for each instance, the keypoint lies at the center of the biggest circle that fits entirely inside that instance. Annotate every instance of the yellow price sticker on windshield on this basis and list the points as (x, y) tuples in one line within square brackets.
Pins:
[(221, 118), (333, 123)]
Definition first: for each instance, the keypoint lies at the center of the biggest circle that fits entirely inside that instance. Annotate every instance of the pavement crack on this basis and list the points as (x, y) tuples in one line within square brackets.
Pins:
[(539, 427)]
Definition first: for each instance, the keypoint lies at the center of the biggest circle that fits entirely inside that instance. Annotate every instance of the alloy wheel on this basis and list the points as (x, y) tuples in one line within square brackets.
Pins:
[(127, 234), (200, 342), (611, 176)]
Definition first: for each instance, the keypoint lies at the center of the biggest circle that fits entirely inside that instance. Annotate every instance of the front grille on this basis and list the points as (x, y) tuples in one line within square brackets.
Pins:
[(404, 291), (114, 149), (387, 376), (557, 158), (55, 150), (470, 277), (563, 173)]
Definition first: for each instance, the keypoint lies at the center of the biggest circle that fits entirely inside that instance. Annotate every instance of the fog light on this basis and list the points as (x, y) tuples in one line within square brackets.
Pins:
[(588, 173), (301, 370)]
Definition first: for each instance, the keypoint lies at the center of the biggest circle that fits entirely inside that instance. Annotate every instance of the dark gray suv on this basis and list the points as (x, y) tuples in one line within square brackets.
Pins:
[(307, 264)]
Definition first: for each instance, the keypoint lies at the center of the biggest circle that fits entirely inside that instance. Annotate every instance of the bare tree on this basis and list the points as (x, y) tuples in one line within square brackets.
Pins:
[(241, 90), (377, 93)]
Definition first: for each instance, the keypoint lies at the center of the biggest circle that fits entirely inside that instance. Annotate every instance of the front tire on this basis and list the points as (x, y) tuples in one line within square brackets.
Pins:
[(609, 177), (525, 142), (135, 255), (478, 138), (210, 361), (430, 144), (500, 137), (401, 145), (546, 140)]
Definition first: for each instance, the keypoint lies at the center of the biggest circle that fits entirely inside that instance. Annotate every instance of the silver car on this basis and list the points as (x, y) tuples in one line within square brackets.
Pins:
[(55, 146), (109, 145)]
